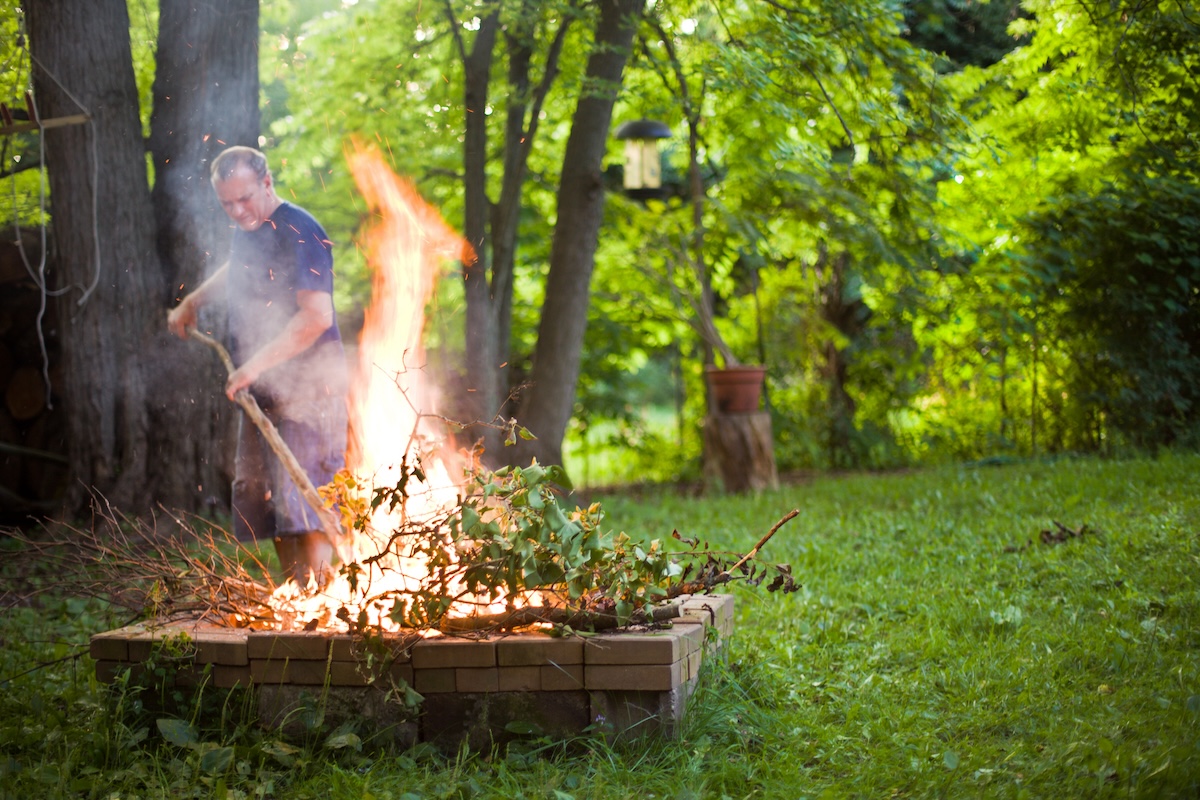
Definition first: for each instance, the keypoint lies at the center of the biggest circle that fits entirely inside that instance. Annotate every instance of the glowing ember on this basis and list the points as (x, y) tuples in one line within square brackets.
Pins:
[(406, 246)]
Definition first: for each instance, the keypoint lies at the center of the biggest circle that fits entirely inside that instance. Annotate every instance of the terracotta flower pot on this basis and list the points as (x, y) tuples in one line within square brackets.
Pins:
[(735, 390)]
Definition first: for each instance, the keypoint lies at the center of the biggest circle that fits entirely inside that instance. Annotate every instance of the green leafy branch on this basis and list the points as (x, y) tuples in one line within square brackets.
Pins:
[(511, 538)]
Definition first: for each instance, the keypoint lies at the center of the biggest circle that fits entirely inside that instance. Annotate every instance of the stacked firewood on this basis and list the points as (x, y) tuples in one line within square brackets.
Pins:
[(32, 427)]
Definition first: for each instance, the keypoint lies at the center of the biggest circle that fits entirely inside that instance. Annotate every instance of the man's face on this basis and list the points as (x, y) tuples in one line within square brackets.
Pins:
[(247, 200)]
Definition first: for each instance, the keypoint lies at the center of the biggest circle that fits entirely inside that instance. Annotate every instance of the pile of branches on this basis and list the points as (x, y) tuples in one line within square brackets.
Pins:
[(510, 537), (164, 568)]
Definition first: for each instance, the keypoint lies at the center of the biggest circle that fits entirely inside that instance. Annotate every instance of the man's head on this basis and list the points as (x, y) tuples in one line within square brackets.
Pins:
[(242, 181)]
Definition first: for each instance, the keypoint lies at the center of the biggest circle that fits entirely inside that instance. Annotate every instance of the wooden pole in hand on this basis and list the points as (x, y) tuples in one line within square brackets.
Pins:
[(329, 523)]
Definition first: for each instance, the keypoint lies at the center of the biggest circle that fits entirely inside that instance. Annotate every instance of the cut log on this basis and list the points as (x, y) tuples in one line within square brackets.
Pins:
[(7, 364), (46, 463), (25, 396), (739, 452), (11, 463)]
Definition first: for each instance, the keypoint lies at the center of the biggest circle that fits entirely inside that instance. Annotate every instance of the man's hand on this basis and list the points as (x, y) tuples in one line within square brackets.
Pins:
[(241, 378), (182, 317)]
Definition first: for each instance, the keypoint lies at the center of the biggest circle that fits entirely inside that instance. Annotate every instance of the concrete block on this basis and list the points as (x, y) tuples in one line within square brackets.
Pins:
[(651, 677), (395, 647), (301, 673), (535, 649), (634, 714), (110, 646), (231, 677), (142, 639), (562, 677), (691, 637), (434, 681), (303, 646), (476, 679), (298, 711), (519, 679), (692, 664), (221, 647), (349, 673), (446, 652), (632, 648), (484, 720), (402, 673), (108, 671)]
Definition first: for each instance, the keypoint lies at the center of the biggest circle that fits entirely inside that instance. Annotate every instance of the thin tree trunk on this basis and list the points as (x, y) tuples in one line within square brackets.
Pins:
[(547, 408), (482, 330), (104, 227)]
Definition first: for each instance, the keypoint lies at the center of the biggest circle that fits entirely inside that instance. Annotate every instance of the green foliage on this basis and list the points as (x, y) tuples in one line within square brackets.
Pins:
[(1006, 190), (964, 31), (1089, 120), (1126, 264), (512, 535), (939, 648)]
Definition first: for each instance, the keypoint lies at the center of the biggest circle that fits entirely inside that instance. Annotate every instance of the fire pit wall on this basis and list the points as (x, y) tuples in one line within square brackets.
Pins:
[(626, 683)]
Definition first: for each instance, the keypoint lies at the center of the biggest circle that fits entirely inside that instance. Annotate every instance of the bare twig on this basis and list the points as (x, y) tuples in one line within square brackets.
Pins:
[(761, 542)]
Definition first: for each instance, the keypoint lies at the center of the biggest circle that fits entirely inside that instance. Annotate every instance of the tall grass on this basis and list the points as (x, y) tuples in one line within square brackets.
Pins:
[(939, 648)]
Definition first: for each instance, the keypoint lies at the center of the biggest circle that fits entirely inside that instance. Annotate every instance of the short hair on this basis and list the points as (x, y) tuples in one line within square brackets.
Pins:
[(231, 158)]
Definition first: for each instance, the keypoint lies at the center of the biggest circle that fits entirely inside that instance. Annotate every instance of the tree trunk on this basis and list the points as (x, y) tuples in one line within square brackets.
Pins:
[(739, 452), (547, 408), (104, 227), (492, 228), (205, 99), (482, 329)]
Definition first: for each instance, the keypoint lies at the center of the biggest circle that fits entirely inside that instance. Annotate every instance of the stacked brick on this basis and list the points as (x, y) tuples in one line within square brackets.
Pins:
[(654, 669)]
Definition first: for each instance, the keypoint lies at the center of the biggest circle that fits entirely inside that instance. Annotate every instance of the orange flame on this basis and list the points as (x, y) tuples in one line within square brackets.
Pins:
[(406, 245)]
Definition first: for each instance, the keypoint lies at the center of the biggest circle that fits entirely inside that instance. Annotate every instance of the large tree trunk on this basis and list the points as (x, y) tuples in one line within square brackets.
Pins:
[(547, 408), (104, 227), (205, 99)]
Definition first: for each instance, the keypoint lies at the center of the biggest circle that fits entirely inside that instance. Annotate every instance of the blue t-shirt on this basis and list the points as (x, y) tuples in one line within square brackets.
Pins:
[(288, 253)]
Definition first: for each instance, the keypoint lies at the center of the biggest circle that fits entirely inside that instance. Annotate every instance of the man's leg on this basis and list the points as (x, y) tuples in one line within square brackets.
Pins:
[(319, 447), (253, 509), (305, 557)]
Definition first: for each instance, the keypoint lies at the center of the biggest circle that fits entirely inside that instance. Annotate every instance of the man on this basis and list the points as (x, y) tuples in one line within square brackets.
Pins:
[(285, 344)]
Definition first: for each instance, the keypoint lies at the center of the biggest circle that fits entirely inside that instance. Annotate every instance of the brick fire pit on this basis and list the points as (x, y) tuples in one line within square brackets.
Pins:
[(628, 682)]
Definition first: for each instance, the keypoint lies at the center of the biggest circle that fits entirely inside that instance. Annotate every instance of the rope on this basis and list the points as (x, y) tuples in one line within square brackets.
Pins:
[(95, 174)]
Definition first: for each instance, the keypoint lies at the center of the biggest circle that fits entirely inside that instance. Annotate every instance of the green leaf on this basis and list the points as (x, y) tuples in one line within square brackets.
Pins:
[(522, 728), (558, 475), (950, 759), (341, 741), (217, 760), (282, 752), (178, 732)]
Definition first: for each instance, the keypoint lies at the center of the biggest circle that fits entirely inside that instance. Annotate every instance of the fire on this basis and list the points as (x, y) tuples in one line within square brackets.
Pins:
[(407, 245)]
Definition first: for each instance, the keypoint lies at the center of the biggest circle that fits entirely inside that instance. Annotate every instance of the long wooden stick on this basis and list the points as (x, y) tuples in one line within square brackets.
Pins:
[(766, 538), (329, 523)]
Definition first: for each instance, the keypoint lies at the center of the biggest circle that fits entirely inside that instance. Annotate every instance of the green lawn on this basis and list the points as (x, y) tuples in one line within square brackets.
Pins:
[(939, 648)]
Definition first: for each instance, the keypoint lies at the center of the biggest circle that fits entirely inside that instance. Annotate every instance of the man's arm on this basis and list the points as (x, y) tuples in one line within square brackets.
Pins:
[(183, 317), (313, 318)]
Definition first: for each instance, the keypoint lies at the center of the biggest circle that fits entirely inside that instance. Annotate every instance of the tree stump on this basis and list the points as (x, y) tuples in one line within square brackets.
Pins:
[(739, 452)]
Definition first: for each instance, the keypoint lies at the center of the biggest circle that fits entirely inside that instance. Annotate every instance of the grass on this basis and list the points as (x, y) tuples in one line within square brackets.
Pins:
[(939, 648)]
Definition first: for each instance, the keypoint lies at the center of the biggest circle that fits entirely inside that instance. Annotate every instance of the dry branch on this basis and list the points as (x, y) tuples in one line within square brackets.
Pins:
[(531, 615)]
